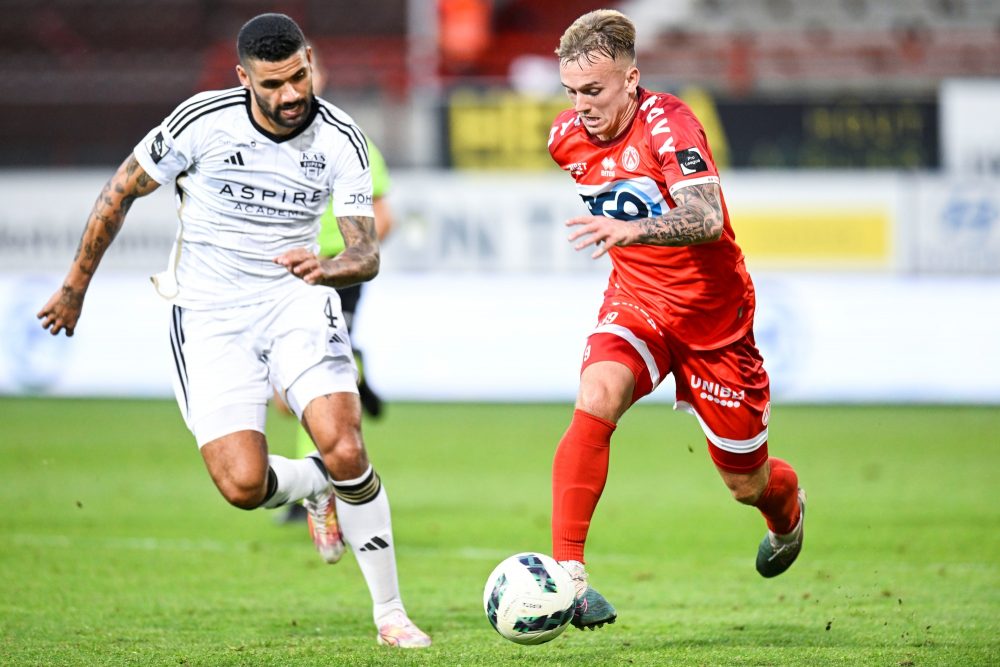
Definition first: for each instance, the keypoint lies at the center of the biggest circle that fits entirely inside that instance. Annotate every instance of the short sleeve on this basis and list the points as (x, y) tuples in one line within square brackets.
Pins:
[(161, 156), (352, 182), (690, 162)]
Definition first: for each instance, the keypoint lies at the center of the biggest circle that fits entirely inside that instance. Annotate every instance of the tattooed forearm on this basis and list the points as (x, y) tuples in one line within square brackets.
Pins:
[(359, 262), (71, 297), (108, 214), (697, 218)]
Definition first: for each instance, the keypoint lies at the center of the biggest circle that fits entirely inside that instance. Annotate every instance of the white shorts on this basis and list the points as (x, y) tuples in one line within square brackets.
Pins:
[(229, 361)]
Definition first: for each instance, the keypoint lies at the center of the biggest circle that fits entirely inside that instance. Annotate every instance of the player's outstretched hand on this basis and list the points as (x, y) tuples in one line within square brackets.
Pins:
[(62, 311), (302, 263), (600, 232)]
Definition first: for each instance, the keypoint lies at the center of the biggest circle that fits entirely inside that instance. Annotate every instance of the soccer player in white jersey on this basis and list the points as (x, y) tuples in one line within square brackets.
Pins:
[(253, 305)]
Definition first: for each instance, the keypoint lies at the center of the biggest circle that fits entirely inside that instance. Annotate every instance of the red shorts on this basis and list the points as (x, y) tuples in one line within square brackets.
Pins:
[(726, 389)]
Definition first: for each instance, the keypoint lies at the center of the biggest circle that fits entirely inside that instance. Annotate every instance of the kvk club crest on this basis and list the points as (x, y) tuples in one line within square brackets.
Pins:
[(630, 158), (313, 164)]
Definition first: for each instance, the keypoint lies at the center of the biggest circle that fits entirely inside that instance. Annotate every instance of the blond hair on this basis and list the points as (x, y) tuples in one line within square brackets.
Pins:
[(605, 32)]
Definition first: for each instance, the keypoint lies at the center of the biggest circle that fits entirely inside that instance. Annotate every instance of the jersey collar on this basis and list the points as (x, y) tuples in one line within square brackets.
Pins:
[(281, 138)]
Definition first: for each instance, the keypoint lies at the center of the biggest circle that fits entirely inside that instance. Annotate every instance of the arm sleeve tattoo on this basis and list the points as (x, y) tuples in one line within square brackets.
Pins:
[(697, 218), (128, 183), (359, 260)]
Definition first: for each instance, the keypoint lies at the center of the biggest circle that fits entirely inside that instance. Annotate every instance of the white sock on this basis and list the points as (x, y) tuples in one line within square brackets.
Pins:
[(578, 574), (367, 530), (296, 479)]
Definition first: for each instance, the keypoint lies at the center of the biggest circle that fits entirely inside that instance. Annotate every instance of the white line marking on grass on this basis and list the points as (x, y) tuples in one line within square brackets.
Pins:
[(133, 543)]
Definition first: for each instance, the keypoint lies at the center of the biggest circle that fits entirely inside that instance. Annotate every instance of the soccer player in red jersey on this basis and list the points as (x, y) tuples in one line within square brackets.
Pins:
[(679, 299)]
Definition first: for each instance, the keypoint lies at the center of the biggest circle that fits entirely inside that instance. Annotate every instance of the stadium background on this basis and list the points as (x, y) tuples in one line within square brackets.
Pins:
[(858, 143)]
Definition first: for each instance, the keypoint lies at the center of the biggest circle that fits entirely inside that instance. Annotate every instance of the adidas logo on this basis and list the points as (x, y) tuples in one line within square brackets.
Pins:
[(375, 544), (236, 158)]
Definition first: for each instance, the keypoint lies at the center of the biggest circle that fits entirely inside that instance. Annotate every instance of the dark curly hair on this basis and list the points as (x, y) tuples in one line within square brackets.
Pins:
[(269, 37)]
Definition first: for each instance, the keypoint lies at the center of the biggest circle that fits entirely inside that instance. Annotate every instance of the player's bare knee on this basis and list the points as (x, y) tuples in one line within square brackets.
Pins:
[(346, 458), (591, 397), (746, 489), (602, 400), (241, 482), (745, 493), (242, 494), (606, 389)]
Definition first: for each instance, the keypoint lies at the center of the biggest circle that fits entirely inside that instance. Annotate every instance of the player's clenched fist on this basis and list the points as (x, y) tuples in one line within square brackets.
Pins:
[(62, 311), (302, 263)]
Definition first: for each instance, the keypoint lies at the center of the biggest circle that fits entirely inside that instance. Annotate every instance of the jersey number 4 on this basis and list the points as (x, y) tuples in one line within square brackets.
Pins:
[(330, 316), (331, 319)]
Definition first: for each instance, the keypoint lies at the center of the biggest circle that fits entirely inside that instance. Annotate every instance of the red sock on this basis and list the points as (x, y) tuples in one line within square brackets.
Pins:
[(780, 501), (579, 472)]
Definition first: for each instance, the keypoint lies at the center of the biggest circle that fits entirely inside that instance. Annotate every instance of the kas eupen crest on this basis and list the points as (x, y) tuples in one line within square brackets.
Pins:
[(313, 164)]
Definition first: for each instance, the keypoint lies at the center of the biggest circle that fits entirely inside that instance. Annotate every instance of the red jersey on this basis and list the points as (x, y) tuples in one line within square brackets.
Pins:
[(701, 294)]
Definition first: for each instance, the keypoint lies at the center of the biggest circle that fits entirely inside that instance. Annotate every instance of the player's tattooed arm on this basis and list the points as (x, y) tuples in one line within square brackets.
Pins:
[(128, 183), (108, 214), (697, 218), (357, 263)]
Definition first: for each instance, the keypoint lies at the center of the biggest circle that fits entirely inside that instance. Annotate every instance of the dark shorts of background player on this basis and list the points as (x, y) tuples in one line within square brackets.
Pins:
[(727, 389), (349, 298)]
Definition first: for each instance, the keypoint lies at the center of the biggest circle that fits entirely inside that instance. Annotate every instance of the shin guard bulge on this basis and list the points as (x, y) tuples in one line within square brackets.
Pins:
[(579, 472), (779, 503)]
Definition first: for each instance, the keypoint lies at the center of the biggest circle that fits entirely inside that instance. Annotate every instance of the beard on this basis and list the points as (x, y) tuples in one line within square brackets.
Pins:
[(273, 113)]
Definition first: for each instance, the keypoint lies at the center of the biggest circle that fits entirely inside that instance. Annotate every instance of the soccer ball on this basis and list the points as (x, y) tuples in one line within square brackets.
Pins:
[(529, 598)]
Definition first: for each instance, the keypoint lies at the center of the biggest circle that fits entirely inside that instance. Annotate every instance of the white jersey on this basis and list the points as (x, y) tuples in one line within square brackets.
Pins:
[(245, 196)]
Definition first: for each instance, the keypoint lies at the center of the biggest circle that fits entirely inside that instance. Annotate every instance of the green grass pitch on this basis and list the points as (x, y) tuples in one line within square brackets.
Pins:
[(117, 550)]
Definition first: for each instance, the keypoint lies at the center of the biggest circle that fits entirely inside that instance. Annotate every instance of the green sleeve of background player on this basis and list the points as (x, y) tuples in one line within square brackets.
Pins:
[(330, 241)]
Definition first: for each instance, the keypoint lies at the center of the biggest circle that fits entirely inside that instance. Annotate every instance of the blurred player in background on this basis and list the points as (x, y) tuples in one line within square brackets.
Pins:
[(254, 168), (331, 244), (679, 299)]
